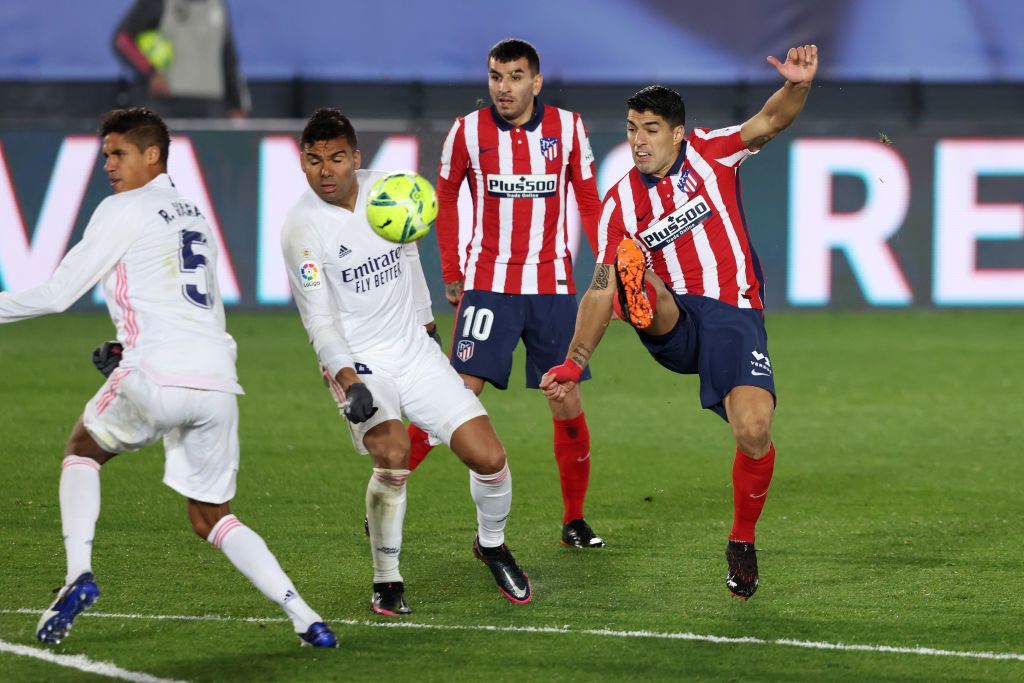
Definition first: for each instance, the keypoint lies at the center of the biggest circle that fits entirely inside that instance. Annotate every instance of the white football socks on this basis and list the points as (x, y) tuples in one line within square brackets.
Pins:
[(251, 556), (385, 513), (79, 509), (492, 494)]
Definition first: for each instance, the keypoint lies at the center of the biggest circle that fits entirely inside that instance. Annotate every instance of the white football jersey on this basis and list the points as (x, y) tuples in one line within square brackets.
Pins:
[(157, 259), (362, 298)]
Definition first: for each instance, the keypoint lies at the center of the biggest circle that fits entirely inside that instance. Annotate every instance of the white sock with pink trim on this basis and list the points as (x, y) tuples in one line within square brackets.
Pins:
[(251, 556), (79, 509), (492, 494)]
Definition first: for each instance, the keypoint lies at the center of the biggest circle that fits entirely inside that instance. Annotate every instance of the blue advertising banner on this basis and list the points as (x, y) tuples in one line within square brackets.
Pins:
[(580, 41)]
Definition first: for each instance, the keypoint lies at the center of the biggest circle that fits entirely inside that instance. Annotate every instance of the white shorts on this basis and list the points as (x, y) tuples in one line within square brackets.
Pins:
[(429, 393), (199, 429)]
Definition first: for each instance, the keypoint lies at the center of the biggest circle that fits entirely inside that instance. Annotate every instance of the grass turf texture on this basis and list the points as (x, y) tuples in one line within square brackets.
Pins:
[(893, 518)]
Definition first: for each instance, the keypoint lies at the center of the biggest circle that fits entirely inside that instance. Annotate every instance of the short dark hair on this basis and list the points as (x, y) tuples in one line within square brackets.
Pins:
[(141, 126), (511, 49), (328, 123), (661, 101)]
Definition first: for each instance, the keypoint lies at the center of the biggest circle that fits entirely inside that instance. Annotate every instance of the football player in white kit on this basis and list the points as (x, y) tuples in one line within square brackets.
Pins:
[(155, 255), (358, 295)]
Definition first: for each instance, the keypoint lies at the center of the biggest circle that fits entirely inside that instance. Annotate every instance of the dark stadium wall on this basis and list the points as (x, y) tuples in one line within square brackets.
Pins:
[(839, 218)]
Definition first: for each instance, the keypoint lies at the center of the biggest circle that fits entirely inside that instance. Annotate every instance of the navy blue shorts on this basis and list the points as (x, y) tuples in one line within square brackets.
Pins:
[(725, 346), (489, 325)]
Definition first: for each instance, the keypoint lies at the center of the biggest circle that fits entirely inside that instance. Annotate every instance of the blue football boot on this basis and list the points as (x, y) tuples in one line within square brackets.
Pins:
[(319, 635), (71, 601)]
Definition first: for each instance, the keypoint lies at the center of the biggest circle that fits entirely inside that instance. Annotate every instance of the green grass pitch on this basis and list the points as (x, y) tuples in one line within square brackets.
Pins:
[(893, 520)]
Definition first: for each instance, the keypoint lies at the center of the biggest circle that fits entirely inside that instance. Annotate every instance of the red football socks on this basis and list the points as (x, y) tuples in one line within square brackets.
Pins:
[(750, 482), (420, 446), (572, 453)]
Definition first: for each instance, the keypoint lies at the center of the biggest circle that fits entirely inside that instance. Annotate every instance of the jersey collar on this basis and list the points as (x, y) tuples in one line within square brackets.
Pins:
[(531, 125), (162, 180), (652, 180)]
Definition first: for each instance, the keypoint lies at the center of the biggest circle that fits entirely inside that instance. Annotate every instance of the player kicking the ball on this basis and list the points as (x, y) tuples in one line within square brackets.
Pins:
[(356, 293), (688, 280), (175, 370)]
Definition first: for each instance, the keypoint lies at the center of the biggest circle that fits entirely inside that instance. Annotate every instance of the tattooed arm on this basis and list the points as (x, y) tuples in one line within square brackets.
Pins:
[(591, 322)]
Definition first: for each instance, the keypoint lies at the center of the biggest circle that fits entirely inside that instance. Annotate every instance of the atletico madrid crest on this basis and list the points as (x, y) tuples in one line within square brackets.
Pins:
[(464, 350), (687, 183), (549, 147)]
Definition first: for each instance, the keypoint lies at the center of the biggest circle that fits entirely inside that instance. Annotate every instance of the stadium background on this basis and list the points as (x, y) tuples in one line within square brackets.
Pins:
[(889, 548), (840, 217)]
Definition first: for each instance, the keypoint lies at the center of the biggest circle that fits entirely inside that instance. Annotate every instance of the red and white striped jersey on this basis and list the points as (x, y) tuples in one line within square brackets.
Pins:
[(690, 224), (518, 178)]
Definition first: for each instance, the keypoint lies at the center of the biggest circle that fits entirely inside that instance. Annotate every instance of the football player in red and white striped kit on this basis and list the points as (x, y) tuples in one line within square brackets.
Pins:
[(673, 244), (518, 158)]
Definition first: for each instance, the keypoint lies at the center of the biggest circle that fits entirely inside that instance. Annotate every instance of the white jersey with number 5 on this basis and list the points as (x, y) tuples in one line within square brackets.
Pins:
[(362, 299), (157, 259)]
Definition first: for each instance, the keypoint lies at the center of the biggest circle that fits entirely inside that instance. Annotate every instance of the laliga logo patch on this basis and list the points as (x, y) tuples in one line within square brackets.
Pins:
[(309, 273)]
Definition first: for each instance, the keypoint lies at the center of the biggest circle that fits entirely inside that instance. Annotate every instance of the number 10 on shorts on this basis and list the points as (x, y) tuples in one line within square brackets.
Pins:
[(478, 323)]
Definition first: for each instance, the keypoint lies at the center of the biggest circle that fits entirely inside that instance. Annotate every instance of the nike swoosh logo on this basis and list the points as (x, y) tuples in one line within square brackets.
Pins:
[(761, 495), (485, 150), (762, 374), (518, 591), (641, 218), (584, 458)]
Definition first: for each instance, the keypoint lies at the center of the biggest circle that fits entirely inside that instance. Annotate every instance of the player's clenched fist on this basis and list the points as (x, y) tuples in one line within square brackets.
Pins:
[(560, 380), (359, 404)]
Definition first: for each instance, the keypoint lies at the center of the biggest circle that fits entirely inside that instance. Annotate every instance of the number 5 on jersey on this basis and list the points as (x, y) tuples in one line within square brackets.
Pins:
[(191, 262)]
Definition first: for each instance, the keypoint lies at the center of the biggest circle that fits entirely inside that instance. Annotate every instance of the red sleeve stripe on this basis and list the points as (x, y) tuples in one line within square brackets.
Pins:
[(126, 44)]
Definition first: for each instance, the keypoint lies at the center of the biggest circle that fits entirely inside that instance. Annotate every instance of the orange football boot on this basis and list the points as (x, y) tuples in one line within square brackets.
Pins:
[(630, 267)]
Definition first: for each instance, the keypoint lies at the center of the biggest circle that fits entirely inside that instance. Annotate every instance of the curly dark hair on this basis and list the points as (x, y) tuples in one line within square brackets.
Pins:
[(327, 123)]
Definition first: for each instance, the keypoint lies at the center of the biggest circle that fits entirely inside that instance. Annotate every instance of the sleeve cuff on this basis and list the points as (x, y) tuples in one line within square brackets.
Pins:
[(334, 364)]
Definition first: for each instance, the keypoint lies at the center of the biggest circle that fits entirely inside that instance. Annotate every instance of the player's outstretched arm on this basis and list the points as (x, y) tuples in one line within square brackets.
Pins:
[(787, 102), (591, 323)]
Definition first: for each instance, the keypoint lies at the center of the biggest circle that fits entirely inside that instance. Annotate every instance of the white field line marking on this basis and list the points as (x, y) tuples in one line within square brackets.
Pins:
[(566, 630), (82, 663)]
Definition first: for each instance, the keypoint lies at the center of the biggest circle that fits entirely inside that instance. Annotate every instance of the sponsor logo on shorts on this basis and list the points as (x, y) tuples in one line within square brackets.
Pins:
[(362, 369), (676, 224), (762, 365), (309, 275), (464, 350), (522, 186)]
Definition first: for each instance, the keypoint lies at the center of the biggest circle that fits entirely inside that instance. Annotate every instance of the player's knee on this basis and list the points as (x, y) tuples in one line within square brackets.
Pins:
[(489, 460), (202, 528), (204, 516), (81, 443), (391, 456), (753, 435)]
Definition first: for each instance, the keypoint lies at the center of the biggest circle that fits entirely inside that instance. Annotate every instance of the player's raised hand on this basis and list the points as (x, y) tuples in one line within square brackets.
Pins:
[(358, 405), (800, 66)]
